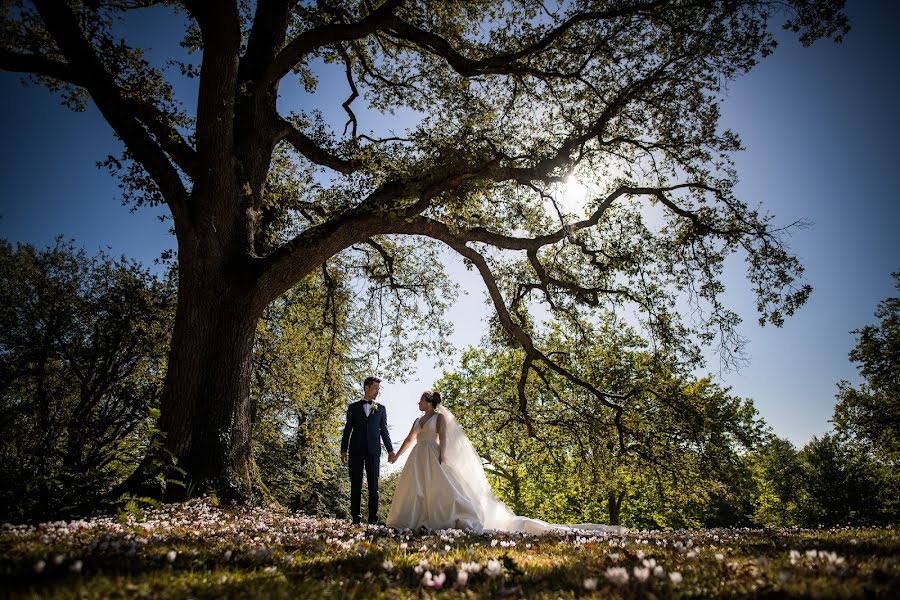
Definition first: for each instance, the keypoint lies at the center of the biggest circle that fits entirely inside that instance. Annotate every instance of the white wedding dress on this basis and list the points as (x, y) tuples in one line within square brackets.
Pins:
[(456, 494)]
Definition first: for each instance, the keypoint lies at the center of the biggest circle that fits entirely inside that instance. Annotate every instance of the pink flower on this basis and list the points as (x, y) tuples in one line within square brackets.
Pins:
[(438, 581), (434, 581)]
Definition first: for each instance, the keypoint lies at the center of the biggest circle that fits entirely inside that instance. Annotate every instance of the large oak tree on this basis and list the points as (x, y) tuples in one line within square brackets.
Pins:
[(510, 100)]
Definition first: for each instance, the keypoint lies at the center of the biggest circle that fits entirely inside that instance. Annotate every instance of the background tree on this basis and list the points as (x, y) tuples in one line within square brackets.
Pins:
[(512, 98), (841, 484), (870, 414), (779, 491), (560, 459), (301, 365), (83, 343), (867, 418)]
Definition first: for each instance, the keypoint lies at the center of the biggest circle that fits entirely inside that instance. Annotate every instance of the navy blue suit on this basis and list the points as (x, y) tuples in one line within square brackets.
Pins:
[(362, 441)]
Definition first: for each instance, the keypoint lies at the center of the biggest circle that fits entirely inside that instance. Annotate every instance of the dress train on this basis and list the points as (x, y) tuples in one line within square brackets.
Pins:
[(456, 494)]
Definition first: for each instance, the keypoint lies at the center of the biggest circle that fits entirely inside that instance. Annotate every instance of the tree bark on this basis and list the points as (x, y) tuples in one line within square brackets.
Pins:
[(615, 506), (206, 412)]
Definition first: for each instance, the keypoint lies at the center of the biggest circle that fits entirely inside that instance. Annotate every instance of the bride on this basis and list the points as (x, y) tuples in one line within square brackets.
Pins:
[(443, 484)]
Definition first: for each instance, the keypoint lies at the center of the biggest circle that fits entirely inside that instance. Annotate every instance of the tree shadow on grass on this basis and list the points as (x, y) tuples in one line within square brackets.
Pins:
[(208, 568)]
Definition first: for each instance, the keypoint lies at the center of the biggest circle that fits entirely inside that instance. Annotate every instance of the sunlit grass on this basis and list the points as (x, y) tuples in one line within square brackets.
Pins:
[(201, 551)]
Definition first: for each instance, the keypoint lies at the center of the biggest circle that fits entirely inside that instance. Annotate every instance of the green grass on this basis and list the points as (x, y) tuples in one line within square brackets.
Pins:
[(200, 551)]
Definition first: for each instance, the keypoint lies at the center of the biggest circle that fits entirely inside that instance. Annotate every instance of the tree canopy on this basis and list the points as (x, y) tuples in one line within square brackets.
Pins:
[(562, 458), (509, 100), (82, 356)]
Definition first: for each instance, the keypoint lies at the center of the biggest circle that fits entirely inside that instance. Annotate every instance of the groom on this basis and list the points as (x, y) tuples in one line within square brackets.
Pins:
[(366, 422)]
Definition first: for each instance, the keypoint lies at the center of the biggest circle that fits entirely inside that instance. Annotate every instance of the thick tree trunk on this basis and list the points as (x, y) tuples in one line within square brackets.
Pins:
[(206, 413)]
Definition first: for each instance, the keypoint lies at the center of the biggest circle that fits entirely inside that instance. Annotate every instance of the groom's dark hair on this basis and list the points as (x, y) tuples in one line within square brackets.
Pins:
[(369, 381)]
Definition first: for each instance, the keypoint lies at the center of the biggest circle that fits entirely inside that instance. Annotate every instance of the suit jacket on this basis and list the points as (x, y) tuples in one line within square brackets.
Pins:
[(362, 433)]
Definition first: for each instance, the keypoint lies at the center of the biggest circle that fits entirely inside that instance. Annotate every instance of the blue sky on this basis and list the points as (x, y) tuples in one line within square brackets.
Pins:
[(821, 130)]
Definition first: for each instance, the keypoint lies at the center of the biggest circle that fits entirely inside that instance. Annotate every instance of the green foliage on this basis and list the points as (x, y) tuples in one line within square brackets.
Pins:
[(778, 474), (675, 454), (386, 488), (301, 372), (870, 414), (850, 476), (507, 98), (830, 481), (840, 484), (313, 347), (130, 506), (82, 354)]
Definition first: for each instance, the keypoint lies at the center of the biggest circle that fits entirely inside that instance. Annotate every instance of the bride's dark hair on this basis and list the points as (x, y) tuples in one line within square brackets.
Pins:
[(433, 397)]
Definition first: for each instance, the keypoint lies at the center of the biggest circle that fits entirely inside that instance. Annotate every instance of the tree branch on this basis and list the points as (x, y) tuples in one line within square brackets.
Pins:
[(376, 214), (354, 93), (505, 64), (166, 135), (267, 36), (308, 148), (386, 258), (18, 62), (325, 35), (220, 26), (506, 242), (62, 24), (439, 231)]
